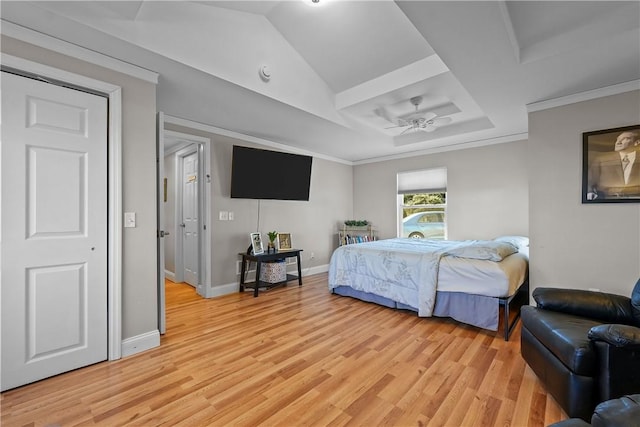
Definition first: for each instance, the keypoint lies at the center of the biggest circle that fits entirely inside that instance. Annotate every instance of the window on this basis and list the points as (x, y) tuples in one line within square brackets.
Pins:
[(422, 204)]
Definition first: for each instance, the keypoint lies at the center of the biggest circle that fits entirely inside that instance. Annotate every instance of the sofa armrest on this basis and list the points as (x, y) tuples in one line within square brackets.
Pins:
[(571, 422), (624, 411), (621, 336), (609, 308), (617, 370)]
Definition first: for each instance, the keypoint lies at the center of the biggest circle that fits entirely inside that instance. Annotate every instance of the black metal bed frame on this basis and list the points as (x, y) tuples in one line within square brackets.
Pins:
[(521, 297)]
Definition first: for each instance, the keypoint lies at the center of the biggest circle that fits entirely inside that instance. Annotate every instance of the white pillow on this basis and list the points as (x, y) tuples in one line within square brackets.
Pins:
[(488, 250), (517, 241)]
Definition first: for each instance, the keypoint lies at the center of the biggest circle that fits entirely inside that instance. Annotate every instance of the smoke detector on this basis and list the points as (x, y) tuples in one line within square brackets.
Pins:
[(265, 73)]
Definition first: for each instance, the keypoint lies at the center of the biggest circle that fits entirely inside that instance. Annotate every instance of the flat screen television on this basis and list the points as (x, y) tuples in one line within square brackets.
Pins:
[(266, 174)]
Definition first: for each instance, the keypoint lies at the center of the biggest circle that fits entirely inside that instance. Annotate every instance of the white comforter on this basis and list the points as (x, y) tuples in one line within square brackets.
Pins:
[(396, 268)]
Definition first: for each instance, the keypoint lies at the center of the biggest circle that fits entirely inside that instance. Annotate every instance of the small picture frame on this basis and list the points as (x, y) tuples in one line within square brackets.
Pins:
[(284, 241), (256, 243), (611, 165)]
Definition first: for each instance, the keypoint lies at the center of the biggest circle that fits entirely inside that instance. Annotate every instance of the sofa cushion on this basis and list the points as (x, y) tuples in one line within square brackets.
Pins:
[(564, 335)]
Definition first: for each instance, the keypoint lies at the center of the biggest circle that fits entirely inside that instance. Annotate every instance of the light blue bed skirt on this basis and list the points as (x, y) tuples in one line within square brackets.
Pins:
[(475, 310)]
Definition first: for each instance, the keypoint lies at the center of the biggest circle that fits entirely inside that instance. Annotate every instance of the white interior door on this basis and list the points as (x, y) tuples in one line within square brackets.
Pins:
[(162, 321), (190, 218), (53, 230)]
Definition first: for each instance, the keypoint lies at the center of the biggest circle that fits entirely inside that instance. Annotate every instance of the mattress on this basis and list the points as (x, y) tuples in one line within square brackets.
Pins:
[(482, 277)]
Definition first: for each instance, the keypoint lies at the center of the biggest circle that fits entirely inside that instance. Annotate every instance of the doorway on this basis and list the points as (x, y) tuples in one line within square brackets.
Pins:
[(182, 208), (183, 212)]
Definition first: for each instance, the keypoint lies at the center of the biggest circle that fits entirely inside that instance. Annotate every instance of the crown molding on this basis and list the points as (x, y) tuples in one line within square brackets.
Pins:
[(27, 35), (584, 96), (450, 147)]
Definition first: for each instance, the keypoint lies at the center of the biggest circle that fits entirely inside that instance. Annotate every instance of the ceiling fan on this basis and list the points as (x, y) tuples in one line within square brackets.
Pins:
[(427, 122)]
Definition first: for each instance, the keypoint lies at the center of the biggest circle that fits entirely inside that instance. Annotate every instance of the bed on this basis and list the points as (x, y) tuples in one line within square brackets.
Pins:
[(467, 280)]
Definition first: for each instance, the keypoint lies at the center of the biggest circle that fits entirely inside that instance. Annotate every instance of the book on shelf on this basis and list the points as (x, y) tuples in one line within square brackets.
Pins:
[(348, 239)]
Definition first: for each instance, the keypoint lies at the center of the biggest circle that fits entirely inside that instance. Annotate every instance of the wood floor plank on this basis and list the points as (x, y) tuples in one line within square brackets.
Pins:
[(296, 356)]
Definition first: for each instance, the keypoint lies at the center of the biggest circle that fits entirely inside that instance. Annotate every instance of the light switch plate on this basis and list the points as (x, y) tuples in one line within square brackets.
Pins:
[(223, 215), (129, 219), (231, 216)]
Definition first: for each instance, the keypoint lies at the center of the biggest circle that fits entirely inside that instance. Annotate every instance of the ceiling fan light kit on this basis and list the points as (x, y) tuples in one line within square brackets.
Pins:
[(427, 122), (314, 3)]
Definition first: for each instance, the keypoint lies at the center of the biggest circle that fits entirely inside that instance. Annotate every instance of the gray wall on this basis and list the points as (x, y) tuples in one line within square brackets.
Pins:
[(573, 244), (487, 191), (312, 224), (139, 304)]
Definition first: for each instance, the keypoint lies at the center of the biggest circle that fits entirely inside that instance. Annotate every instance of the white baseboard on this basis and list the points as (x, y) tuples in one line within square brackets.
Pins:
[(232, 288), (315, 270), (170, 275), (229, 288), (139, 343)]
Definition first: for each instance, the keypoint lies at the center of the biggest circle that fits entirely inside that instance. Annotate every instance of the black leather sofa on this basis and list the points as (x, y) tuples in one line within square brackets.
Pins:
[(583, 345), (622, 412)]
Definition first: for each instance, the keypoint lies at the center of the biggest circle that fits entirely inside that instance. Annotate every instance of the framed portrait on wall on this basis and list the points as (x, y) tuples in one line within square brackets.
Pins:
[(256, 243), (611, 165), (284, 241)]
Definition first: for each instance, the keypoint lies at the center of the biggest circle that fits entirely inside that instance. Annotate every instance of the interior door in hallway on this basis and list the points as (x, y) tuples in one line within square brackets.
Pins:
[(54, 230), (190, 218)]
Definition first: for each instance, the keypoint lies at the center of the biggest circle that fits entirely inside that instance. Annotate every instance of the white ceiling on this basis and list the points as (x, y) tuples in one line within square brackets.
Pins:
[(341, 70)]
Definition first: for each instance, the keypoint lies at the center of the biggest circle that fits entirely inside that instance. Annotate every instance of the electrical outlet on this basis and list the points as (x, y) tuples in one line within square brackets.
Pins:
[(231, 216), (312, 256)]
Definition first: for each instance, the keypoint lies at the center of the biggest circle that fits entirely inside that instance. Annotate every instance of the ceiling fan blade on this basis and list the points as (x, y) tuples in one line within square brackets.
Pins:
[(429, 116), (406, 130)]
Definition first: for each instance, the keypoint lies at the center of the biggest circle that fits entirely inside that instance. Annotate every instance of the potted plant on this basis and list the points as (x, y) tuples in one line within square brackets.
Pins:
[(272, 241), (362, 224)]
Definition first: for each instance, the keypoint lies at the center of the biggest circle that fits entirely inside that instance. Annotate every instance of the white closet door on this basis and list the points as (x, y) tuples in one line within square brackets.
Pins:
[(53, 230)]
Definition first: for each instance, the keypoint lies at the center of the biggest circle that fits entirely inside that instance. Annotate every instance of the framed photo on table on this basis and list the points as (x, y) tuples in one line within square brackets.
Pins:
[(611, 165), (256, 243), (284, 241)]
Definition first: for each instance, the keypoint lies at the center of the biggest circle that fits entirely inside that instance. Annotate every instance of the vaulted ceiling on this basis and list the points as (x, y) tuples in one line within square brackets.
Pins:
[(337, 77)]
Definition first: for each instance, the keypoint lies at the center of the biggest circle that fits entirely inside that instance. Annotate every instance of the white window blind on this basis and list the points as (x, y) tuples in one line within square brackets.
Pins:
[(423, 181)]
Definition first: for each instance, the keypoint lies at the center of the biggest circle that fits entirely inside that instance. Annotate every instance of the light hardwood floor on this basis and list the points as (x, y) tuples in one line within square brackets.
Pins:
[(296, 356)]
